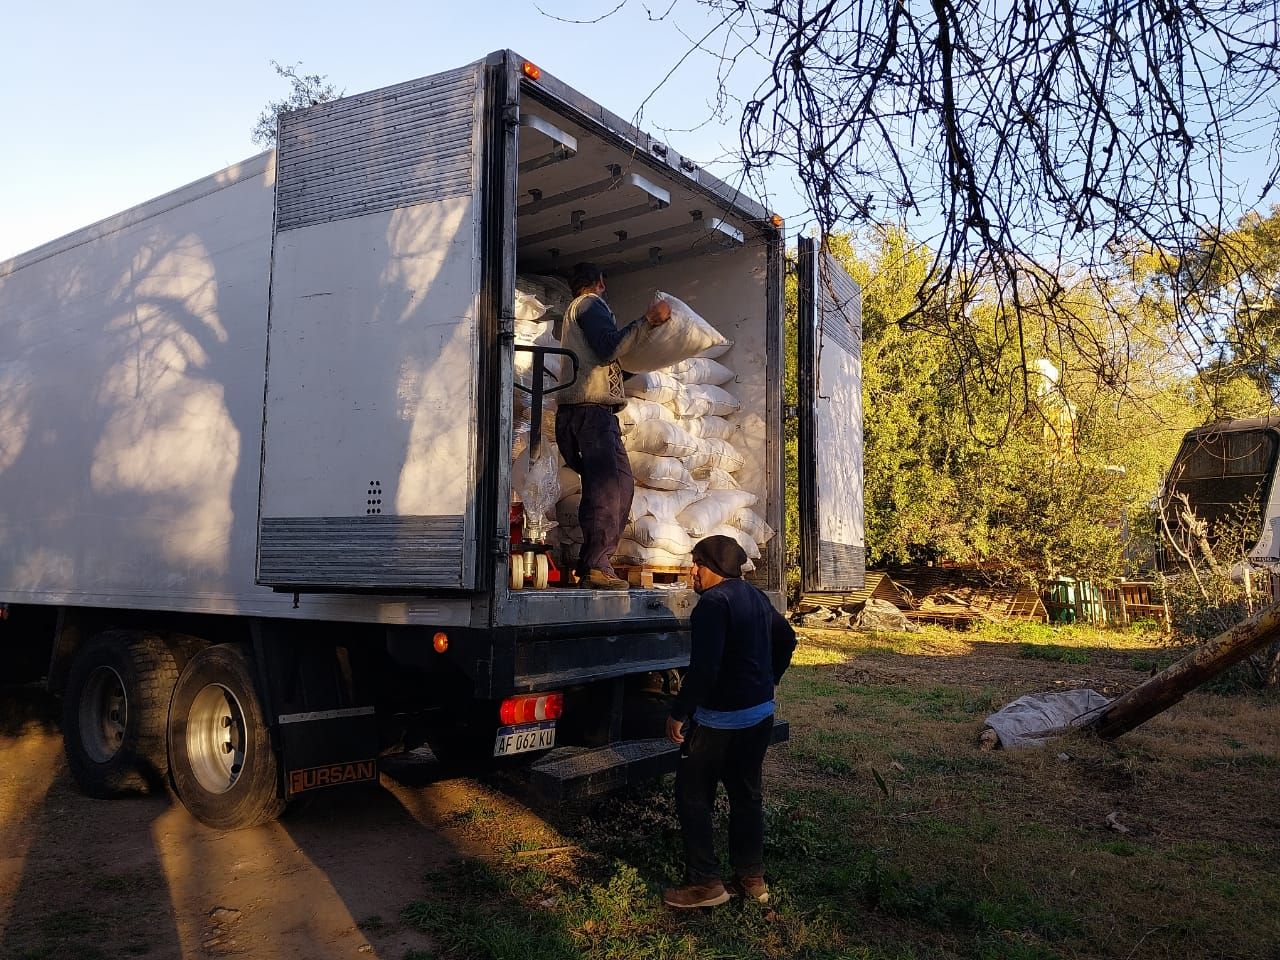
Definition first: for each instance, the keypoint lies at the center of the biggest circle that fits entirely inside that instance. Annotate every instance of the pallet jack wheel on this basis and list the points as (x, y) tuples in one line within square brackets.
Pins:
[(517, 571), (541, 571)]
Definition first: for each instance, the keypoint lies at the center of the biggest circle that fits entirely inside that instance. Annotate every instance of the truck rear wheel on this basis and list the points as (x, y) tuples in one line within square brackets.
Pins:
[(223, 767), (114, 711)]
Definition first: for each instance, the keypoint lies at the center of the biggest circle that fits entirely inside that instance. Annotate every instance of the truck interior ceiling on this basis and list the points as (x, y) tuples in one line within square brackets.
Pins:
[(583, 197)]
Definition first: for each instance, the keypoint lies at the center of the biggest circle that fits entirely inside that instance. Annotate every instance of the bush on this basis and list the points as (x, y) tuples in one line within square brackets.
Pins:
[(1200, 610)]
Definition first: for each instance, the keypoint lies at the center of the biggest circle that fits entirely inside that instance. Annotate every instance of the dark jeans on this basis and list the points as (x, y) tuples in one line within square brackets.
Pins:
[(734, 758), (591, 444)]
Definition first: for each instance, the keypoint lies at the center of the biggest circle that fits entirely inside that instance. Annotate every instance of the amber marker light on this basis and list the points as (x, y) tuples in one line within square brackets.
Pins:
[(440, 641), (531, 70), (776, 221)]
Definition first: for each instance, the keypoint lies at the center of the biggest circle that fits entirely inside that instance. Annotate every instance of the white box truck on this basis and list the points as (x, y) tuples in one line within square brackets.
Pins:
[(255, 447)]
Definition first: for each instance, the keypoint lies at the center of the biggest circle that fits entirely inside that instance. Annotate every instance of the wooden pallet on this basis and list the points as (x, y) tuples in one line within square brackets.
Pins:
[(645, 576)]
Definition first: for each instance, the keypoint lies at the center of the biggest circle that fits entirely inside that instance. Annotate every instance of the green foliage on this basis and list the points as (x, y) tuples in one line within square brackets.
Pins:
[(305, 90), (1231, 284), (1034, 474), (1053, 653)]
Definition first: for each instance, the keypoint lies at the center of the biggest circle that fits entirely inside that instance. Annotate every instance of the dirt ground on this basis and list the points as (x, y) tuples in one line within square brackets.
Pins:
[(139, 877)]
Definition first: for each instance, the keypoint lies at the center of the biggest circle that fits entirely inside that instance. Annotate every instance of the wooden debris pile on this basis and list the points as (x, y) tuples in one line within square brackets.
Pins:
[(944, 595)]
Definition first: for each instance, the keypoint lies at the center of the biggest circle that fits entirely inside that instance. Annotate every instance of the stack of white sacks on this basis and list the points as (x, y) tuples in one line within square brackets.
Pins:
[(678, 427), (539, 302)]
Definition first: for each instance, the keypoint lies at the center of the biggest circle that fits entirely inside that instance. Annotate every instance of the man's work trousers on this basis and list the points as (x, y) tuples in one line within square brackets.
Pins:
[(734, 758), (591, 444)]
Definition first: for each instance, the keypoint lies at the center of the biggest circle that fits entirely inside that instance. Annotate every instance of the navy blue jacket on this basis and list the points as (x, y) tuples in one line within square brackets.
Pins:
[(741, 648), (601, 330)]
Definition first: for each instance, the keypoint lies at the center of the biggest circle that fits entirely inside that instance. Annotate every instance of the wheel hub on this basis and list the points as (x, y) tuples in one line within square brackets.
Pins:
[(215, 738), (104, 714)]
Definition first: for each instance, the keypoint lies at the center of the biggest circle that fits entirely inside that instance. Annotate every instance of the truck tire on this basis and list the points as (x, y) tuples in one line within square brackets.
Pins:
[(223, 767), (114, 710)]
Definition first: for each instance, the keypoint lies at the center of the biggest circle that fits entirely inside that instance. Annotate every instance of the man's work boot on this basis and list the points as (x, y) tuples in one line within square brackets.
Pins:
[(709, 894), (752, 887), (599, 580)]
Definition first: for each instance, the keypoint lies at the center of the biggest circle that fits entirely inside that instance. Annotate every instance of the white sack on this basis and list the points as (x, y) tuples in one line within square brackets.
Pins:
[(663, 504), (638, 411), (660, 473), (683, 336), (713, 510), (752, 441), (701, 370), (705, 399), (716, 350), (552, 292), (528, 307), (570, 482), (712, 428), (535, 334), (662, 438), (744, 540), (718, 454), (663, 534), (658, 387), (630, 553), (1032, 720), (716, 479), (753, 525)]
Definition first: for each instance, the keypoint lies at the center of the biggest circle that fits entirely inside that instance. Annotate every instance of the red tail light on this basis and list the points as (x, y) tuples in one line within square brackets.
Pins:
[(531, 708)]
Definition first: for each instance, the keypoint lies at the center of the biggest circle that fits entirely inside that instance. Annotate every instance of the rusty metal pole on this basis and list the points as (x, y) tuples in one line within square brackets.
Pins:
[(1174, 682)]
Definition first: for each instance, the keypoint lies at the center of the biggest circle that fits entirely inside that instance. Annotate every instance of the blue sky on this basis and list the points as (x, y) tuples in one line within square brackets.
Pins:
[(108, 105)]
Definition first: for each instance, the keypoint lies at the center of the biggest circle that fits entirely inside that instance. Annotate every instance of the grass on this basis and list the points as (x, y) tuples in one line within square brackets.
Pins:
[(1054, 652), (891, 836)]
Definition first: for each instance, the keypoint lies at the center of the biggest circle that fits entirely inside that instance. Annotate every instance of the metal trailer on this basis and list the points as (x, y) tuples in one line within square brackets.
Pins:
[(255, 446), (1227, 471)]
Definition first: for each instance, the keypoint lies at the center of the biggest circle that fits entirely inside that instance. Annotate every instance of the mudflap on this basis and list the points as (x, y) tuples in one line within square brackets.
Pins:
[(570, 773), (328, 748)]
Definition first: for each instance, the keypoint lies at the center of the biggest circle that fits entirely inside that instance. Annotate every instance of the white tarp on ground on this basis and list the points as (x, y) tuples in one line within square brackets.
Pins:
[(1025, 722)]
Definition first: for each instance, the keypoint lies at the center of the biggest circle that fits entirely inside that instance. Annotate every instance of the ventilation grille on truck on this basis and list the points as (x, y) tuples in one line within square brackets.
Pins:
[(402, 145)]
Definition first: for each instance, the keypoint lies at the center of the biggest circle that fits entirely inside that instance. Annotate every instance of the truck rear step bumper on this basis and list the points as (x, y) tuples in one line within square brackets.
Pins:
[(569, 774)]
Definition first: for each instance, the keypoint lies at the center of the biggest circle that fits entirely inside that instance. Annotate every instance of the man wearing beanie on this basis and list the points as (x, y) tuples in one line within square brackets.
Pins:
[(741, 647)]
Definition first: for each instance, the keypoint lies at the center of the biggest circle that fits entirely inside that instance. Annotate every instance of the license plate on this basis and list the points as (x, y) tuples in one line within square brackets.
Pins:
[(521, 739)]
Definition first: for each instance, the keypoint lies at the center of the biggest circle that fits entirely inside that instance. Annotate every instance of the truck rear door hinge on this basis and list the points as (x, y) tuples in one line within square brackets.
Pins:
[(511, 114), (501, 545), (506, 326)]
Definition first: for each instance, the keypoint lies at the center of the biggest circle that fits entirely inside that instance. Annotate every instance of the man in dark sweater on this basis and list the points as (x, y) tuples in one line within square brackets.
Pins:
[(587, 430), (741, 648)]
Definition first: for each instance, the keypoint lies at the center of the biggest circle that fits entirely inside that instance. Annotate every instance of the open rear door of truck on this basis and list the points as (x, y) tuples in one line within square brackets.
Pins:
[(832, 536), (370, 448)]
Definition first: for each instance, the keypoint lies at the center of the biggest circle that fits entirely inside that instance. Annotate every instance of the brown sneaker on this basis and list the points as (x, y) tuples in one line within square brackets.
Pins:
[(710, 894), (753, 887), (599, 580)]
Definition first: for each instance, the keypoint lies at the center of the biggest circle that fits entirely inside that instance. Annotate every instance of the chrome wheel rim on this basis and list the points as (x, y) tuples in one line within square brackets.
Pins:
[(104, 714), (216, 738)]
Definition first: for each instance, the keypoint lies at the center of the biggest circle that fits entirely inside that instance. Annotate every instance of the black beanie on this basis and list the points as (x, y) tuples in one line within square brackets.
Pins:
[(720, 554)]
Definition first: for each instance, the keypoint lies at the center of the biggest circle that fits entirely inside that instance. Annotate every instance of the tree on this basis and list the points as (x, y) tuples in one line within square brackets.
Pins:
[(1031, 141), (1231, 283), (947, 475), (306, 90)]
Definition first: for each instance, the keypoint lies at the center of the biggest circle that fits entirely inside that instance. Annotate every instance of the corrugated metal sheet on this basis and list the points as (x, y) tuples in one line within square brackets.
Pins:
[(832, 541), (411, 143), (840, 307), (841, 566), (384, 552)]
